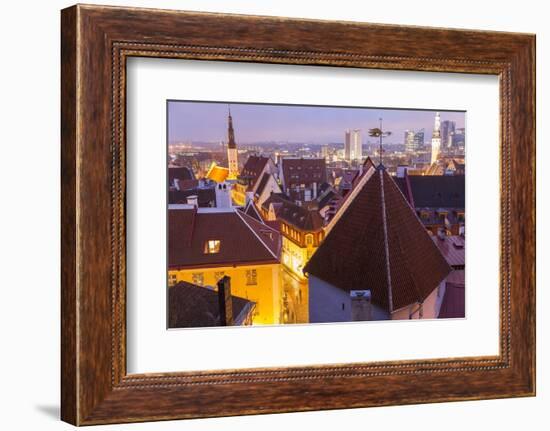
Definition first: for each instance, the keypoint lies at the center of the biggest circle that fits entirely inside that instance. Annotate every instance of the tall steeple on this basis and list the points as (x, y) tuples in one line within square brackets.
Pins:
[(436, 138), (230, 131), (232, 156)]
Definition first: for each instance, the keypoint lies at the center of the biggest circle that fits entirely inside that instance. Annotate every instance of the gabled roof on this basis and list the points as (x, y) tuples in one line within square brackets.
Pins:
[(291, 213), (206, 196), (327, 197), (262, 183), (300, 217), (217, 173), (275, 198), (377, 243), (243, 240), (434, 191), (453, 249), (250, 210), (192, 306), (254, 167), (179, 172), (304, 170)]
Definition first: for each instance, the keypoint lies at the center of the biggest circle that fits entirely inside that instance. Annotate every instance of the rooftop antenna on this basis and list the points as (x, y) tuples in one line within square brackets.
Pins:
[(378, 132)]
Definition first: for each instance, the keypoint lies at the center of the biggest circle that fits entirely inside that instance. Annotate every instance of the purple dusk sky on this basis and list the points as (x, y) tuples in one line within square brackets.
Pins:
[(207, 122)]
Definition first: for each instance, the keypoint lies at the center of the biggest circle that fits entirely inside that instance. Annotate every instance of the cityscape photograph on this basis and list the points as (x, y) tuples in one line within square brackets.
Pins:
[(298, 214)]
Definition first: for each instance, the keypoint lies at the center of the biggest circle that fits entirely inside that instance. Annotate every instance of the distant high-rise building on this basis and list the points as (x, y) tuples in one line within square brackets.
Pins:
[(409, 141), (436, 138), (347, 145), (419, 139), (414, 141), (324, 151), (458, 137), (447, 129), (232, 156), (356, 145)]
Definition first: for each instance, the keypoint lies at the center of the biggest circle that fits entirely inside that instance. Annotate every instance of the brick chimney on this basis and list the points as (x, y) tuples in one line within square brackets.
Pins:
[(225, 302)]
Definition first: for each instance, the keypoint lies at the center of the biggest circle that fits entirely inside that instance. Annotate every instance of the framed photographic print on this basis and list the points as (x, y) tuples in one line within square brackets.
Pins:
[(281, 206)]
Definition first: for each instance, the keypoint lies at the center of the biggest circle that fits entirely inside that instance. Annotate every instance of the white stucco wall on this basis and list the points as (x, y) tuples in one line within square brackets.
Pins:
[(328, 303)]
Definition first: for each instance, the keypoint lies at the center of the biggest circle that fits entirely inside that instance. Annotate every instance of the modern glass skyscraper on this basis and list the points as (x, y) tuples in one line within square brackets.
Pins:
[(447, 130), (356, 145), (347, 145)]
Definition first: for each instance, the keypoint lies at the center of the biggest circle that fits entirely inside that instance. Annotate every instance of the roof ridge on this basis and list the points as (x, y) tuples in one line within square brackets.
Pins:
[(251, 204), (386, 245), (255, 234)]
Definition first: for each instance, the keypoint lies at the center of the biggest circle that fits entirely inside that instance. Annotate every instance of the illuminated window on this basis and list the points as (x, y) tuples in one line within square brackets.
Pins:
[(251, 277), (172, 279), (309, 239), (198, 278), (212, 246)]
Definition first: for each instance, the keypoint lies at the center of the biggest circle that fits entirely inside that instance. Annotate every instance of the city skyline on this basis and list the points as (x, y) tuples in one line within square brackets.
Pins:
[(206, 122)]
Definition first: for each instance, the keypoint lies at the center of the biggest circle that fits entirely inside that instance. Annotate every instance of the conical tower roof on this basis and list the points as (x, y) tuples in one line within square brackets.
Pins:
[(378, 243)]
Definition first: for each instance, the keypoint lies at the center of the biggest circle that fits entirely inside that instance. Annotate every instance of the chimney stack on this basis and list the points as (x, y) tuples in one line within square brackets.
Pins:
[(225, 302)]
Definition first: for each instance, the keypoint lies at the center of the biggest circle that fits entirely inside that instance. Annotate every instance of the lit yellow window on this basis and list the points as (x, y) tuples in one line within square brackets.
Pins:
[(218, 275), (198, 278), (212, 246), (251, 277)]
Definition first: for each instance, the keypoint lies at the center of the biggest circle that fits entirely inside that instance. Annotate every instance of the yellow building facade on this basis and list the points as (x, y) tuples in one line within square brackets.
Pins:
[(238, 194), (257, 283), (298, 247)]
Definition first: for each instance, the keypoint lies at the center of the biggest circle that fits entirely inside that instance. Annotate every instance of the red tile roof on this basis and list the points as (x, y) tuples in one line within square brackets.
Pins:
[(192, 306), (302, 218), (179, 172), (243, 240), (434, 191), (378, 243), (299, 216), (251, 210), (452, 248), (262, 183), (454, 301), (254, 167), (304, 171)]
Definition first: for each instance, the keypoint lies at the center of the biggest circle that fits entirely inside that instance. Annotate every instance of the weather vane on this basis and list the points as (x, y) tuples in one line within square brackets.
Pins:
[(378, 132)]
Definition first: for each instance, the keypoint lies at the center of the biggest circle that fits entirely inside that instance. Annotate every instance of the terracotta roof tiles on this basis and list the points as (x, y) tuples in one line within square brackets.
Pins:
[(378, 243), (242, 239), (192, 306)]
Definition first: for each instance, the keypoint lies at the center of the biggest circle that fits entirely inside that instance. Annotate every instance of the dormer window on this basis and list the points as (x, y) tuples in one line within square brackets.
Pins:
[(212, 246)]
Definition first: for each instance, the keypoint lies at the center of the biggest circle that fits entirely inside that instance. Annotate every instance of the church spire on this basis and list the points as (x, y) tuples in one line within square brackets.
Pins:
[(230, 132), (232, 156)]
